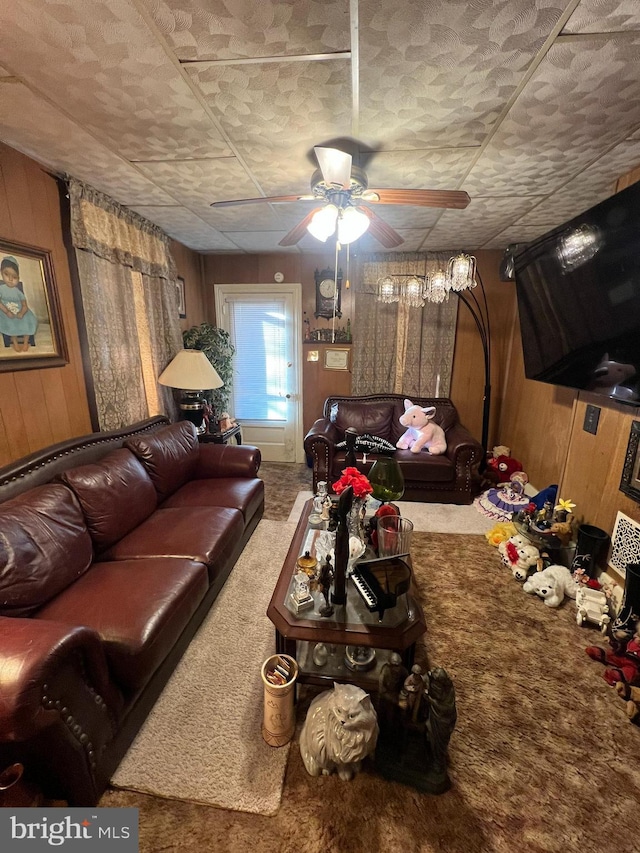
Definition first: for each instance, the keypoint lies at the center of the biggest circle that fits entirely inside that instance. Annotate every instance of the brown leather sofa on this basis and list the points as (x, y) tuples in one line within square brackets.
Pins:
[(112, 549), (449, 478)]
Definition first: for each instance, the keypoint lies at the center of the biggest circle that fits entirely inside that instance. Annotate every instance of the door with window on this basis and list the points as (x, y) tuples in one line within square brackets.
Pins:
[(264, 325)]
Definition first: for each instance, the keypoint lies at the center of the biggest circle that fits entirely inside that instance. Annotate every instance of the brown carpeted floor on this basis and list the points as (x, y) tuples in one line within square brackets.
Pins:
[(543, 757)]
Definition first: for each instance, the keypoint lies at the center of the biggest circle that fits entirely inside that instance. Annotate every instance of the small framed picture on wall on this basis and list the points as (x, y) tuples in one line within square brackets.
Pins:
[(336, 359), (30, 318), (182, 305)]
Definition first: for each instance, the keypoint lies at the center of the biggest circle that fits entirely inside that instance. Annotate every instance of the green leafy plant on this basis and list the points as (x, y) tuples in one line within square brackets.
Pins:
[(216, 344)]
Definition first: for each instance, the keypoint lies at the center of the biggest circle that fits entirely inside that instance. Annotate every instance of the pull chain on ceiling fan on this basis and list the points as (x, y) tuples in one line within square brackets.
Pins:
[(344, 192)]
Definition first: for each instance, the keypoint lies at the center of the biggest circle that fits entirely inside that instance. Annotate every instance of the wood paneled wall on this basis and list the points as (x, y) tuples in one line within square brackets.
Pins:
[(39, 407), (190, 266)]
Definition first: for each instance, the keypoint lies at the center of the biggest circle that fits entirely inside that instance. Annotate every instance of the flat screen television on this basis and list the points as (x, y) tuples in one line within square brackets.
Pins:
[(578, 290)]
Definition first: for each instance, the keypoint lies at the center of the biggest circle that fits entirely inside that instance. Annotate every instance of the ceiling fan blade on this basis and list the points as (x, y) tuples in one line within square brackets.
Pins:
[(298, 231), (379, 229), (275, 199), (454, 199), (335, 166)]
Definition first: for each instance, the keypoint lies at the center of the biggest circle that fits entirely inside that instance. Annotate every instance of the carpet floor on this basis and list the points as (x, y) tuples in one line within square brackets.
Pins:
[(543, 758)]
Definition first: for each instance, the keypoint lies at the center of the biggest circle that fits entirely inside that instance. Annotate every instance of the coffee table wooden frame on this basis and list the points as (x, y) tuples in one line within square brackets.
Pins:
[(292, 629)]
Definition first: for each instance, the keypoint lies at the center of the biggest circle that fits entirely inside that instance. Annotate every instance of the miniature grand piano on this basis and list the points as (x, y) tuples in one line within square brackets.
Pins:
[(381, 581)]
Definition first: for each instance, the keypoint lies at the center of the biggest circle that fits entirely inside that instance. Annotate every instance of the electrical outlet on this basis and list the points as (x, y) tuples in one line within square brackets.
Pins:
[(591, 418)]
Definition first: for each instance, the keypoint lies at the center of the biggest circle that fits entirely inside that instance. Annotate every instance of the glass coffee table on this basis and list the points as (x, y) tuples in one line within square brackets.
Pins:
[(353, 625)]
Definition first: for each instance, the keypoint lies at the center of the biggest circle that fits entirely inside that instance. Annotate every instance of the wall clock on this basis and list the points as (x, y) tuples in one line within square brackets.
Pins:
[(328, 293)]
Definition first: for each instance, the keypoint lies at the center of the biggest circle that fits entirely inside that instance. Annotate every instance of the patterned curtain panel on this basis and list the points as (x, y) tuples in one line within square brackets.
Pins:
[(398, 349), (127, 280)]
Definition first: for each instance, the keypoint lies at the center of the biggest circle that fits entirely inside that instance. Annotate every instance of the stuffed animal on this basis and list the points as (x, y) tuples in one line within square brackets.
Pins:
[(631, 695), (552, 584), (520, 556), (421, 432), (500, 532), (502, 465)]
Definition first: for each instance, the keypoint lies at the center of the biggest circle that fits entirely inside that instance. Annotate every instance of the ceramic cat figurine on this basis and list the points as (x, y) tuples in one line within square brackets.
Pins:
[(340, 730)]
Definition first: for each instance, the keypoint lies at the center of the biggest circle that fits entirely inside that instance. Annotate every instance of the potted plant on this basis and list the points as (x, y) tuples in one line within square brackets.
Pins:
[(216, 344)]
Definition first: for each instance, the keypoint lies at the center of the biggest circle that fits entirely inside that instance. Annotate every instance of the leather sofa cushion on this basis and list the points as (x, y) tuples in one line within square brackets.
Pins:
[(44, 547), (245, 494), (209, 535), (138, 607), (416, 467), (373, 417), (170, 456), (116, 495)]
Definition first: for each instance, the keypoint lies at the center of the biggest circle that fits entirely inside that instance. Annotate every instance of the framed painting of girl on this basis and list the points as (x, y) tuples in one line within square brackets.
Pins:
[(30, 322)]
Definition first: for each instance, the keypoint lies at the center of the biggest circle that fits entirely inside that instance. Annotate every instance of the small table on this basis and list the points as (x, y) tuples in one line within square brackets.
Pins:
[(222, 437), (352, 625)]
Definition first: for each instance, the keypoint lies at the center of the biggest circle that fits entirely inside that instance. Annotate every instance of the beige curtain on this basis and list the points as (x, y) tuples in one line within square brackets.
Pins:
[(128, 286), (398, 349)]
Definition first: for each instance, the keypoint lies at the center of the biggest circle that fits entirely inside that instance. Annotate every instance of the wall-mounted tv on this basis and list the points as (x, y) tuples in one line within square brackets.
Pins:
[(578, 292)]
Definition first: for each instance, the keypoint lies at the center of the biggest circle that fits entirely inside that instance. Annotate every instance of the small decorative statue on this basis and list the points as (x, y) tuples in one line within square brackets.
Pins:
[(340, 730), (392, 677), (412, 694), (324, 585), (421, 432), (442, 718)]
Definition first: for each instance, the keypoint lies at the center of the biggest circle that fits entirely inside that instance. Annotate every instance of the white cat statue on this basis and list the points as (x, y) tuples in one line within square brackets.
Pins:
[(340, 730)]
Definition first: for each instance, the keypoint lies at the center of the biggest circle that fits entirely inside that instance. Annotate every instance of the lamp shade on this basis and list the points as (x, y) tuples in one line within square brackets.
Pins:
[(190, 370)]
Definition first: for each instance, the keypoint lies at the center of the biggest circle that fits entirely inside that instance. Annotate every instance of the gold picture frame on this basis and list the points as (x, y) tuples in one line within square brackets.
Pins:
[(336, 358), (31, 330)]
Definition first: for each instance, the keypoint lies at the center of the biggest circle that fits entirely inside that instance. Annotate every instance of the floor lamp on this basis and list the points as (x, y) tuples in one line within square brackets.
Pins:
[(191, 372), (461, 278)]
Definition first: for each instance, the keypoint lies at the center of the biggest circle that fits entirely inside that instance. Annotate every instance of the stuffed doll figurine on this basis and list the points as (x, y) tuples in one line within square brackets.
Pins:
[(421, 432)]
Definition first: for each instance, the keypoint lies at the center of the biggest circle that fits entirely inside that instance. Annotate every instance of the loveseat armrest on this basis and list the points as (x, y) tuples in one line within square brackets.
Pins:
[(228, 460), (464, 451), (52, 673), (323, 429)]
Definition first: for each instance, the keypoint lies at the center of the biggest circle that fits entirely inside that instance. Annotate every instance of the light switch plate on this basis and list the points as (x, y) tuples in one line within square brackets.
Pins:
[(591, 418)]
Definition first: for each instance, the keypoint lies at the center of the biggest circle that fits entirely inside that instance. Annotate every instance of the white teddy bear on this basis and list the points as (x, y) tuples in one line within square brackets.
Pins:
[(552, 585), (519, 555)]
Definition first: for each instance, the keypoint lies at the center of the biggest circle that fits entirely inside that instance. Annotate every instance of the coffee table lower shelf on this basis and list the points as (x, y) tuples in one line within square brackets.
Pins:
[(335, 669)]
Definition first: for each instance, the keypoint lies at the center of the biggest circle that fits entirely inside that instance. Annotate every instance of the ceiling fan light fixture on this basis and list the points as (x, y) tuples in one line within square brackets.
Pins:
[(352, 224), (323, 223)]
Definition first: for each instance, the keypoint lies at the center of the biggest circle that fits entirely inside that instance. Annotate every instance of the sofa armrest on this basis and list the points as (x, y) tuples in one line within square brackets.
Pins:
[(52, 673), (227, 460), (323, 430), (319, 445)]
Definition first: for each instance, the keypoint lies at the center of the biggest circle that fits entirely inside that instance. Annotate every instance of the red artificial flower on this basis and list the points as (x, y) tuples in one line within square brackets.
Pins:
[(352, 477)]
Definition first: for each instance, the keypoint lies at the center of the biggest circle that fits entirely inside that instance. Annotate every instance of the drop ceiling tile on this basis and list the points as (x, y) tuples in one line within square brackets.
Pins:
[(275, 113), (515, 234), (439, 73), (478, 223), (258, 217), (186, 227), (100, 62), (401, 216), (259, 241), (218, 29), (589, 188), (35, 127), (413, 240), (583, 98), (604, 16), (435, 168), (199, 182)]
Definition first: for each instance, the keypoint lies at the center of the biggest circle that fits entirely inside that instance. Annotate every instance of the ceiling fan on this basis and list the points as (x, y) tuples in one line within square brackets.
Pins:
[(343, 190)]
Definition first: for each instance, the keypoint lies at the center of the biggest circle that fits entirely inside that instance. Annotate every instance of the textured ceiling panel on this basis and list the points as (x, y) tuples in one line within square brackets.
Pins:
[(604, 16), (263, 217), (201, 181), (98, 61), (438, 168), (515, 235), (583, 98), (259, 241), (440, 72), (413, 240), (219, 29), (590, 188), (402, 216), (185, 226), (275, 113), (478, 223), (37, 128)]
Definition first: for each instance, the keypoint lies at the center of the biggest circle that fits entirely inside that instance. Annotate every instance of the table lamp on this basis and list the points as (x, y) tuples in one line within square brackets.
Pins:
[(191, 372)]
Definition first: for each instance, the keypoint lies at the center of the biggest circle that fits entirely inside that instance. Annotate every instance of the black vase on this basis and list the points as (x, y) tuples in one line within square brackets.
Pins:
[(590, 546), (624, 625)]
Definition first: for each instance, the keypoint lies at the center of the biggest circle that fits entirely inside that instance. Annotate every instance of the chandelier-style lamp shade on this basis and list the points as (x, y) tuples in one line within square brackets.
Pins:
[(413, 292), (388, 290), (323, 223), (192, 372), (437, 286), (352, 223), (462, 272)]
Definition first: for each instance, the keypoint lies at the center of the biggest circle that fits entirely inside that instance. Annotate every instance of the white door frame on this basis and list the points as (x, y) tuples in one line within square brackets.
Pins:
[(294, 289)]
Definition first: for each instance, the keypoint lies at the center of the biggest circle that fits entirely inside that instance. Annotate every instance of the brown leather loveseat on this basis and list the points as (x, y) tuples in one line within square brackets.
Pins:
[(112, 549), (449, 478)]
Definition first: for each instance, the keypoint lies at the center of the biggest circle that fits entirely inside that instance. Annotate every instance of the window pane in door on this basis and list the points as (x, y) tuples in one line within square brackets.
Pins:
[(258, 332)]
